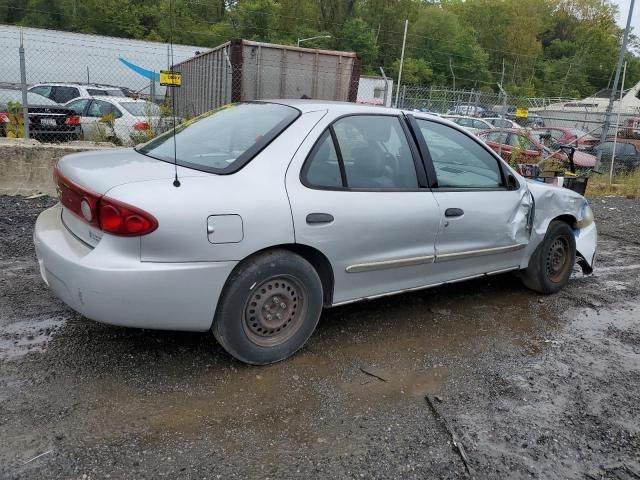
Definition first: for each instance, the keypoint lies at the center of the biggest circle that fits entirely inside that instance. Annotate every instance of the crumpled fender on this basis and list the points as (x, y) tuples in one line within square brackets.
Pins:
[(552, 202)]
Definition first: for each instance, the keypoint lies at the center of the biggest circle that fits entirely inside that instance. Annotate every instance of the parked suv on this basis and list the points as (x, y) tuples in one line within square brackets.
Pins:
[(65, 92)]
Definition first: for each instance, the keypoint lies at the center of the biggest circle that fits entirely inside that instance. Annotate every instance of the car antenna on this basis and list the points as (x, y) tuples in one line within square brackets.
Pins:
[(176, 182)]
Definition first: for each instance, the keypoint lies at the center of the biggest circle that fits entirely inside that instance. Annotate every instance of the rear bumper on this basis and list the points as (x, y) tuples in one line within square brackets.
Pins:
[(111, 285)]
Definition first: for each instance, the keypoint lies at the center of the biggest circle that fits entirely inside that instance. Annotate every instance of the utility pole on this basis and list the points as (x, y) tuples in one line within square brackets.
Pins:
[(404, 42), (504, 112), (615, 139), (612, 95), (502, 83), (452, 74), (565, 80), (23, 82)]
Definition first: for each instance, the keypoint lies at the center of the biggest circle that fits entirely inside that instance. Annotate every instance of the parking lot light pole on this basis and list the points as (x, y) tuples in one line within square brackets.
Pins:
[(404, 42)]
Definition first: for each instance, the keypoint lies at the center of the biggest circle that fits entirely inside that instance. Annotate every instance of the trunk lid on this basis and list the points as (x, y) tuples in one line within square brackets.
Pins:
[(99, 171)]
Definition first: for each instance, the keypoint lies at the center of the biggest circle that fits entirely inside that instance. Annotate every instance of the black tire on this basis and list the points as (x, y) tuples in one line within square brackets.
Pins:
[(269, 307), (552, 262)]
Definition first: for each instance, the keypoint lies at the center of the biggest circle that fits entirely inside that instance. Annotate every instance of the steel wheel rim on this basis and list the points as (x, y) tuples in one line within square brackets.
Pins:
[(274, 311), (558, 259)]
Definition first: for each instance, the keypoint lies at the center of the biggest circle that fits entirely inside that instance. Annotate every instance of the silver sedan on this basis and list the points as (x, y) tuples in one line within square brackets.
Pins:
[(256, 216)]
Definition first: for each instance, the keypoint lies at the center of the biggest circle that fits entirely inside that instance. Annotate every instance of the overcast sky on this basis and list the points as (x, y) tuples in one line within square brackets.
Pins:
[(623, 5)]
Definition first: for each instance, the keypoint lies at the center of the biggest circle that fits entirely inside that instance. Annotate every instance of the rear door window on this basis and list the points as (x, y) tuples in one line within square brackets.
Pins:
[(78, 106), (100, 108), (64, 94), (375, 152), (322, 169)]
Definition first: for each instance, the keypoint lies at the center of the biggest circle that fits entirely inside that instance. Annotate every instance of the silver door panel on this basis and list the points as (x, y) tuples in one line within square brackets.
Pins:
[(378, 242)]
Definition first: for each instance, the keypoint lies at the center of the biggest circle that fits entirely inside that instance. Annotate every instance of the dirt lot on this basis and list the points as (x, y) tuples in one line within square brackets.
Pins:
[(532, 386)]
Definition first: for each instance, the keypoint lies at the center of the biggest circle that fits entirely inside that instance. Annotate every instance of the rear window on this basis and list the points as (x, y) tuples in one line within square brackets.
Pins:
[(141, 109), (222, 140)]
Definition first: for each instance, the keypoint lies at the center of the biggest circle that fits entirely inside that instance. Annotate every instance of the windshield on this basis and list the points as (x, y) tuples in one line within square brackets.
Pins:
[(222, 140), (141, 109)]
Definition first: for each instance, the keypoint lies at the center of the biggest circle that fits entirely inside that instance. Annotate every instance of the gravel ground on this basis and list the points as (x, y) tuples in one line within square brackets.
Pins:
[(531, 386)]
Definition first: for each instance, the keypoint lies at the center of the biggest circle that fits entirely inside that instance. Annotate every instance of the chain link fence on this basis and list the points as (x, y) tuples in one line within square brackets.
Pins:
[(564, 120), (93, 88), (543, 112), (82, 87)]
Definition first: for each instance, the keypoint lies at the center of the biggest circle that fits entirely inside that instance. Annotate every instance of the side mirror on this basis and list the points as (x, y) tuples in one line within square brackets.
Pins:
[(512, 183)]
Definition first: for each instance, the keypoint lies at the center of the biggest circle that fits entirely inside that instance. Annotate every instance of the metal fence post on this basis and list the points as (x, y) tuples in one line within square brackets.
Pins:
[(23, 84)]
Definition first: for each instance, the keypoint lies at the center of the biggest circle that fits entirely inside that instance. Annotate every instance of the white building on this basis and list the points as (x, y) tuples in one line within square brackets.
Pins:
[(375, 90)]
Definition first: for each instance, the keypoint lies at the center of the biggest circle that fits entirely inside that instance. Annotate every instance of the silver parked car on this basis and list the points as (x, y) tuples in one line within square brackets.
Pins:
[(276, 209)]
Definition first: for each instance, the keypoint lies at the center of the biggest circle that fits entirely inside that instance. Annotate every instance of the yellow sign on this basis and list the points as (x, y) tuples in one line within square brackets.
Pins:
[(170, 79), (522, 112)]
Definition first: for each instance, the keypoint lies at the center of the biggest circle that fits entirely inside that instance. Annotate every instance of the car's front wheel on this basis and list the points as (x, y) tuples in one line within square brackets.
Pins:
[(552, 261), (270, 306)]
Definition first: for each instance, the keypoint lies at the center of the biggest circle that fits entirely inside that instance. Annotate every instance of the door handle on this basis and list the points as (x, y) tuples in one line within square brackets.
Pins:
[(453, 212), (318, 218)]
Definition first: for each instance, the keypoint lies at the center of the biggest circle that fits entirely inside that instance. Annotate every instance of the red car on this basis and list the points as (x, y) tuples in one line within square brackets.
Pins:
[(569, 136), (529, 146)]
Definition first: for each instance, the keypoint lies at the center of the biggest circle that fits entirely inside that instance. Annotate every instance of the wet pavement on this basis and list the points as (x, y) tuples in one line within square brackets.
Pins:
[(531, 386)]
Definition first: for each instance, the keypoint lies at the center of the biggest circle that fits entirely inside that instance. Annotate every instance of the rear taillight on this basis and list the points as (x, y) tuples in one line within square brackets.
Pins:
[(78, 200), (72, 120), (141, 126), (107, 214), (118, 218), (4, 118)]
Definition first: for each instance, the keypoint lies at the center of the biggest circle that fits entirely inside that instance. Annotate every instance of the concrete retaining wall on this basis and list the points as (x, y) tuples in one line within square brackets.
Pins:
[(26, 167)]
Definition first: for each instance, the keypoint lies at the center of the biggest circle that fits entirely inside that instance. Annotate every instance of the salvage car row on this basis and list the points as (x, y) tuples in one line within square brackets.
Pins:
[(63, 112)]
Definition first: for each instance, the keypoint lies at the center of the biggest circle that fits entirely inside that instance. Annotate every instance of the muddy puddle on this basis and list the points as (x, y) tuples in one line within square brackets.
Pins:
[(376, 355)]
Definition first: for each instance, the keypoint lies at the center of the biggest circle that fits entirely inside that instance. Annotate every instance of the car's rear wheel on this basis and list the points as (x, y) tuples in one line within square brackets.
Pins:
[(551, 264), (270, 306)]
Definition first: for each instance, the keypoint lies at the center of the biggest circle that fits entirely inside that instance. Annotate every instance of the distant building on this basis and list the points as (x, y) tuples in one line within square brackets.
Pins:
[(374, 90), (598, 102)]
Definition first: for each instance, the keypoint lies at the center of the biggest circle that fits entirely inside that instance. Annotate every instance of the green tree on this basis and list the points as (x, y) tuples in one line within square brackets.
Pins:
[(415, 71), (356, 35)]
